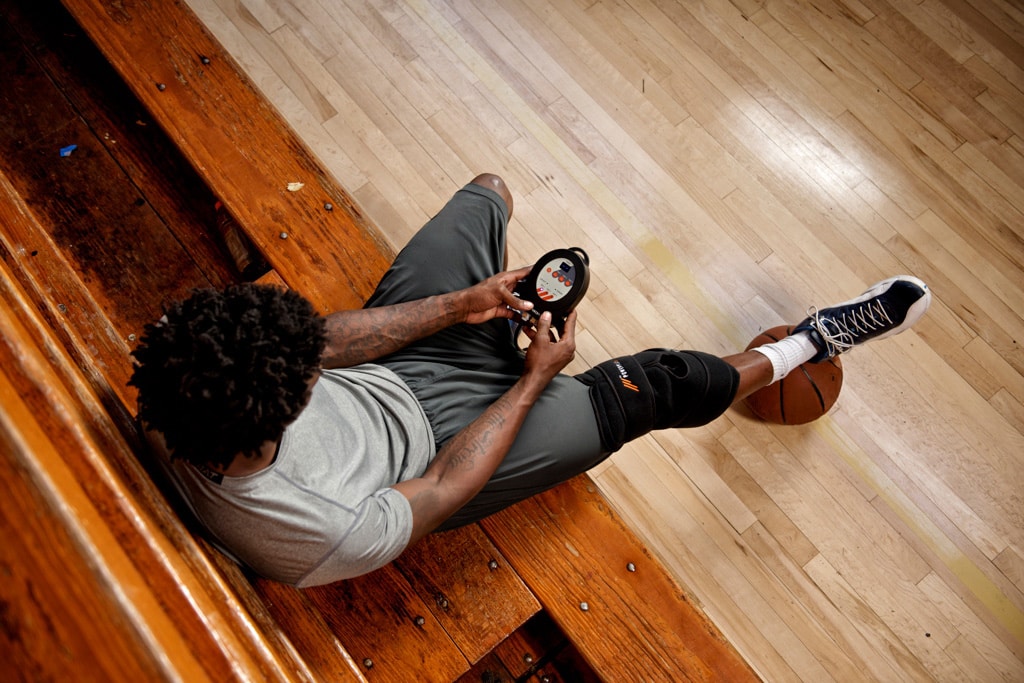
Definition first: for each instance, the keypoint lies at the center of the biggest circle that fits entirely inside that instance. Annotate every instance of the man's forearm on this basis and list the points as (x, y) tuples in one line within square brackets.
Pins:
[(469, 459), (364, 335), (472, 455)]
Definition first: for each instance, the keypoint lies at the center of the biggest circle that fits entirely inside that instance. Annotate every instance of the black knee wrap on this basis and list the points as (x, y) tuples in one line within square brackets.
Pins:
[(658, 389), (623, 400)]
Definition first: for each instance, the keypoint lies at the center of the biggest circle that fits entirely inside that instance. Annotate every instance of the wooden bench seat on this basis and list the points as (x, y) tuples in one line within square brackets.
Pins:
[(452, 601), (108, 577)]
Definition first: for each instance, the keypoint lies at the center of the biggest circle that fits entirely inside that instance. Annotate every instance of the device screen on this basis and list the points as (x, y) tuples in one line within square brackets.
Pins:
[(555, 279)]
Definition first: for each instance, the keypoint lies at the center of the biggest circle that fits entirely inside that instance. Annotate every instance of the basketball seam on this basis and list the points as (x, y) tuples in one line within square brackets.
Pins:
[(817, 391)]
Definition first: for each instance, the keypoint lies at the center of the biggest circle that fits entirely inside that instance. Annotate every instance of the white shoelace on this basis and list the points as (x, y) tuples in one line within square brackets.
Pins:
[(866, 318)]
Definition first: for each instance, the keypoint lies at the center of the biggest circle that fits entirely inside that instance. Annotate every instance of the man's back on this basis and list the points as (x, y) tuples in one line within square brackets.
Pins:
[(324, 509)]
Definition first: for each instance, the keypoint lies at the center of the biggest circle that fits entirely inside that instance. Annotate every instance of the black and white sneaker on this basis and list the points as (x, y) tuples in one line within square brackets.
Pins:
[(888, 308)]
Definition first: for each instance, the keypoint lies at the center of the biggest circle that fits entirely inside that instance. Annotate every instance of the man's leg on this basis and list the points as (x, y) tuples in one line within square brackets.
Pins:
[(460, 246), (755, 371), (497, 185), (659, 388), (580, 421)]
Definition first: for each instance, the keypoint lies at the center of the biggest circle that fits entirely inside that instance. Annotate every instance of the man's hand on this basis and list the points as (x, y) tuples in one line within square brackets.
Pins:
[(546, 356), (493, 298), (360, 336)]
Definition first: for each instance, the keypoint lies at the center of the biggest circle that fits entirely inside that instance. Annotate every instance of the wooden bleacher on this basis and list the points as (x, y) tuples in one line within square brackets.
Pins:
[(105, 576)]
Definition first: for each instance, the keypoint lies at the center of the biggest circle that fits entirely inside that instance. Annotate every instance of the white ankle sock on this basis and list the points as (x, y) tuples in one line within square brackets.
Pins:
[(788, 353)]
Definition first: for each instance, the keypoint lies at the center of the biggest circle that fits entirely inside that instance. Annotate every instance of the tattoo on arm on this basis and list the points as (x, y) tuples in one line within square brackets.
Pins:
[(360, 336), (466, 463), (469, 445)]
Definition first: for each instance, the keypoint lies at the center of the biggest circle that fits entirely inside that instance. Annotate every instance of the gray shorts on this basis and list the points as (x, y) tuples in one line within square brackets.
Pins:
[(458, 372)]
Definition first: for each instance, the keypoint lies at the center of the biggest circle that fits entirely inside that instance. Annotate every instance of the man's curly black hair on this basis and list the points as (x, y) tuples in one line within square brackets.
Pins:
[(225, 371)]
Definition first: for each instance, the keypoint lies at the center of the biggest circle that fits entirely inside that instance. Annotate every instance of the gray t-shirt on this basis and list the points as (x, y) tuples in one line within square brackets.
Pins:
[(325, 509)]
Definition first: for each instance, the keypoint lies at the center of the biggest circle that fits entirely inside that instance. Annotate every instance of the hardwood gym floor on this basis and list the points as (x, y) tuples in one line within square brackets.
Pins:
[(728, 164)]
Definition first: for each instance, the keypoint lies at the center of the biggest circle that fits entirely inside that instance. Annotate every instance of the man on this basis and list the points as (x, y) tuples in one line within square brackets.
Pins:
[(316, 449)]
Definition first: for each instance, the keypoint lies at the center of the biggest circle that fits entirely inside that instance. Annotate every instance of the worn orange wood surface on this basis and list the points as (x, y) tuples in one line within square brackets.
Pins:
[(311, 636), (135, 524), (47, 253), (120, 241), (389, 631), (576, 554), (470, 587), (241, 148), (45, 571), (163, 181), (58, 445), (539, 651), (521, 652), (524, 652), (48, 265)]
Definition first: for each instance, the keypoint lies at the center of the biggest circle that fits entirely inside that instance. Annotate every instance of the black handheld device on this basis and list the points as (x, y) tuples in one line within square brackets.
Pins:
[(556, 283)]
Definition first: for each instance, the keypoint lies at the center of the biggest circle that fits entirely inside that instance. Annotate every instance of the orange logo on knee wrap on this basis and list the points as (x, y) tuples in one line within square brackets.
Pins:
[(624, 377)]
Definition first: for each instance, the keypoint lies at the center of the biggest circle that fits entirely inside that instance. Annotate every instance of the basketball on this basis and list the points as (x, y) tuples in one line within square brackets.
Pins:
[(803, 395)]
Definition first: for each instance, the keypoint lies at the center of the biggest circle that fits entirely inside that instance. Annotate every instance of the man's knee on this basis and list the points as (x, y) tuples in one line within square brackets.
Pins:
[(495, 183), (658, 389)]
